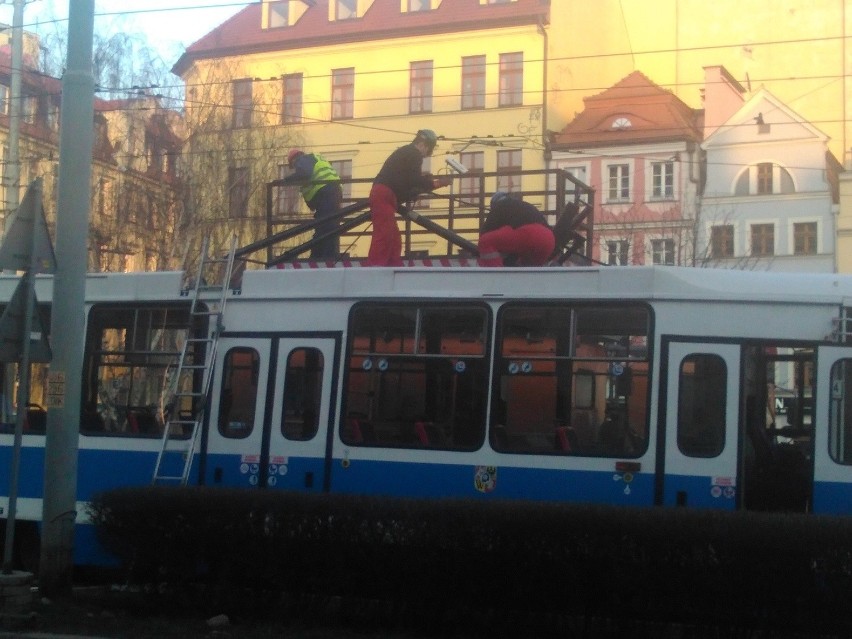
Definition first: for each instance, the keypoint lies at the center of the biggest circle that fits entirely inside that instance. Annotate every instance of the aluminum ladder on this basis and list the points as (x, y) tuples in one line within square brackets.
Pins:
[(187, 407)]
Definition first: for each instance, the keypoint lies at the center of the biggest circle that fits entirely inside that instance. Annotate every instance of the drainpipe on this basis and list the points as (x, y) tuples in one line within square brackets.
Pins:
[(694, 151), (545, 142)]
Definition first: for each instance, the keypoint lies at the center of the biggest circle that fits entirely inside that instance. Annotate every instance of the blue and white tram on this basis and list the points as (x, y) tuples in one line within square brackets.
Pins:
[(633, 386)]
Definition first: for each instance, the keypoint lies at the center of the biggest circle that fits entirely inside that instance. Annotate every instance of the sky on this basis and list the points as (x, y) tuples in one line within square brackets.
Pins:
[(168, 25)]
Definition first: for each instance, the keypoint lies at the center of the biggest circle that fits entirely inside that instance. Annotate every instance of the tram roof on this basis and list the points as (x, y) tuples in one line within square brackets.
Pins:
[(604, 282)]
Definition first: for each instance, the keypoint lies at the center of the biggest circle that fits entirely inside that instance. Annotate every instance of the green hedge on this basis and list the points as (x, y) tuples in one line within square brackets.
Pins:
[(460, 559)]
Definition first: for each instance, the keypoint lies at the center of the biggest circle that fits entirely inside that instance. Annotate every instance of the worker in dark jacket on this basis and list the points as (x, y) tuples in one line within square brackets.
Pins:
[(320, 187), (516, 229), (401, 179)]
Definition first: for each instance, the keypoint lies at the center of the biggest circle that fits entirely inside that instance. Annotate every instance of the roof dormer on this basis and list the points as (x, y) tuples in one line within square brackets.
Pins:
[(348, 9), (412, 6), (283, 13)]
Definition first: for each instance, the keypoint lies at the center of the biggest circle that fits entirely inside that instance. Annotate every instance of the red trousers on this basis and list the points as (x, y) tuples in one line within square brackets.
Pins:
[(531, 243), (386, 243)]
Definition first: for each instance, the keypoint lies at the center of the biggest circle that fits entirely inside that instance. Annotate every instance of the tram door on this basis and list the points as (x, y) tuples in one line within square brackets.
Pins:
[(270, 412), (701, 425), (833, 432)]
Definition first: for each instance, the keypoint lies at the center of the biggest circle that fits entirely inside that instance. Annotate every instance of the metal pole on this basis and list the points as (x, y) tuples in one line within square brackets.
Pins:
[(12, 175), (68, 321), (22, 399), (13, 165)]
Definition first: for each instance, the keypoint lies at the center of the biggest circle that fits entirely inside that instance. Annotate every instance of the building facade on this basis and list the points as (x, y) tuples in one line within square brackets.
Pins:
[(637, 145), (136, 199), (354, 79), (771, 197)]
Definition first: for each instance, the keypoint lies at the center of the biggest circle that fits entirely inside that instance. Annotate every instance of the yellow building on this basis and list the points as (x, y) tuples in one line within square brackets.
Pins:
[(354, 79)]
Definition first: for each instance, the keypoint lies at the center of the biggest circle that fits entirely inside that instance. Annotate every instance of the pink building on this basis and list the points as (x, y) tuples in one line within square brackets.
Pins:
[(638, 146)]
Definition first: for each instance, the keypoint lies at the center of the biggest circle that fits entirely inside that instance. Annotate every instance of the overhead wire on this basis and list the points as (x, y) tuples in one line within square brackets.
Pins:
[(361, 125)]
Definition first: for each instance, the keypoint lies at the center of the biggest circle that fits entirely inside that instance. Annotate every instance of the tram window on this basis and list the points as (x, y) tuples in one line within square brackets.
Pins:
[(701, 405), (35, 421), (429, 389), (613, 332), (10, 374), (536, 332), (557, 395), (130, 357), (382, 329), (840, 412), (239, 392), (302, 394)]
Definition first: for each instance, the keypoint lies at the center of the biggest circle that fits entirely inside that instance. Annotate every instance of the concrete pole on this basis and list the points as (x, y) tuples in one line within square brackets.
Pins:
[(12, 175), (69, 284)]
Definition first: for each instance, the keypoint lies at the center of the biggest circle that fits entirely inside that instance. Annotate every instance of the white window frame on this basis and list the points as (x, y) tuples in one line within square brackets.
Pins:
[(750, 224), (791, 236), (619, 166), (654, 252), (622, 250), (657, 184)]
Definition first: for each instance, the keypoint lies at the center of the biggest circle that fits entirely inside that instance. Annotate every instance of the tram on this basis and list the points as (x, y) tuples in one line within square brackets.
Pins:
[(632, 386)]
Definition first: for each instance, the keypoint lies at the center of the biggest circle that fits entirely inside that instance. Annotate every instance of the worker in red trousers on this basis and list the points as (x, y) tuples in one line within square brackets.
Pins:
[(515, 231), (401, 179)]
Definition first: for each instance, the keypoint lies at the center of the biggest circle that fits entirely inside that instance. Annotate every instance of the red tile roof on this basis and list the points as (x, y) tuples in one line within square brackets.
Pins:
[(655, 115), (242, 33)]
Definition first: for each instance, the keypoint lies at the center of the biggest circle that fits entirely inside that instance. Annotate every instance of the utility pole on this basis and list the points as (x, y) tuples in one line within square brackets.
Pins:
[(69, 289), (12, 175)]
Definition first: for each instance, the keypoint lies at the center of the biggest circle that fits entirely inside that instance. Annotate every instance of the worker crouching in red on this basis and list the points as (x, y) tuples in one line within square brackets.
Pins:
[(400, 179), (517, 230)]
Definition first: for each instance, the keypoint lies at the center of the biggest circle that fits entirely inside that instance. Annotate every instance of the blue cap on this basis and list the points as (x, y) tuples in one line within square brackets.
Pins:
[(499, 195)]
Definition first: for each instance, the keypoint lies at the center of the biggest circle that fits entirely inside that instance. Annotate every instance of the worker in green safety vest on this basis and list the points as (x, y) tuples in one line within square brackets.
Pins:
[(320, 187)]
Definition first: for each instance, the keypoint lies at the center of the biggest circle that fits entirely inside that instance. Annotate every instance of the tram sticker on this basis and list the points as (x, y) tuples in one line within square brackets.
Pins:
[(723, 487), (616, 369), (627, 478), (526, 367), (244, 468), (460, 367), (271, 481), (56, 389), (367, 364), (253, 480), (273, 469), (485, 478), (513, 368), (383, 364)]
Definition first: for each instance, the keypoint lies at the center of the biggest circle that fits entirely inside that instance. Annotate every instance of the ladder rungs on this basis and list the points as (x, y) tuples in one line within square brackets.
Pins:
[(181, 435)]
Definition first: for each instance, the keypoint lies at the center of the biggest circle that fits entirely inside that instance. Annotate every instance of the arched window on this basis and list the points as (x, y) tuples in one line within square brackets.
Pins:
[(764, 178)]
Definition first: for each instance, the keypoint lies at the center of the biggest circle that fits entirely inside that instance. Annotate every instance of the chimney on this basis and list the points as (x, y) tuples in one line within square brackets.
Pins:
[(722, 95)]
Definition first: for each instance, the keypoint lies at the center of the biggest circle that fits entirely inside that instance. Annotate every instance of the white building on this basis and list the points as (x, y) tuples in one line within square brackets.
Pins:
[(770, 195)]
